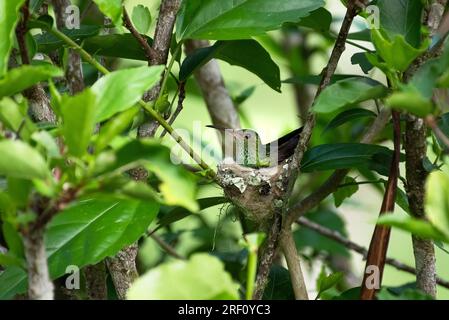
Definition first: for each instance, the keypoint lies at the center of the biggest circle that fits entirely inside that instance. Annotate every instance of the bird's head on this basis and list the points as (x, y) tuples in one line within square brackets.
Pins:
[(239, 134)]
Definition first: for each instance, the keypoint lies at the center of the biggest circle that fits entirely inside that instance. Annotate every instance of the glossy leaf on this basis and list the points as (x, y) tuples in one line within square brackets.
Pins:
[(8, 20), (242, 19), (112, 46), (20, 160), (348, 92), (316, 79), (363, 35), (418, 227), (437, 201), (190, 280), (141, 18), (47, 42), (401, 17), (23, 77), (361, 59), (78, 114), (12, 282), (112, 9), (346, 156), (319, 20), (120, 90), (347, 116), (86, 233), (256, 60)]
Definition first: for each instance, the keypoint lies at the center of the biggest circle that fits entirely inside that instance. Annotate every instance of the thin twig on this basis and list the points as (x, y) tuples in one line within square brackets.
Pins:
[(339, 238), (150, 53), (167, 248), (181, 98)]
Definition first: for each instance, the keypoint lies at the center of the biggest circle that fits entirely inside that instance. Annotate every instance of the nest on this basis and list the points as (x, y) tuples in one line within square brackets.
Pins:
[(257, 192)]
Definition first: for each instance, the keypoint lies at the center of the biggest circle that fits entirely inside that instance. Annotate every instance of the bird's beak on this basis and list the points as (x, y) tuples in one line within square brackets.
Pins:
[(215, 127)]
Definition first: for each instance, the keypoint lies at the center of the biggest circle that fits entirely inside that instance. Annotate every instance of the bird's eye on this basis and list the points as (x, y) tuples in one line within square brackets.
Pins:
[(247, 136)]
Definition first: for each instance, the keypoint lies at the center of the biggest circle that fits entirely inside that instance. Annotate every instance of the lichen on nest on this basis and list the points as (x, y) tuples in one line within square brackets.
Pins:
[(257, 192)]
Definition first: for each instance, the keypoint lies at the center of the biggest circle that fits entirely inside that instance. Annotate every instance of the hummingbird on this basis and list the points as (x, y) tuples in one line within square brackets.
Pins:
[(245, 147)]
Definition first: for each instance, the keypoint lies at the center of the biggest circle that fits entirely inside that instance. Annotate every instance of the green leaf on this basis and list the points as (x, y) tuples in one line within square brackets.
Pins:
[(120, 90), (437, 201), (190, 280), (78, 114), (363, 35), (326, 282), (112, 9), (348, 115), (346, 156), (345, 192), (14, 117), (141, 18), (46, 141), (12, 282), (86, 233), (177, 186), (13, 239), (396, 52), (256, 60), (418, 227), (23, 77), (319, 20), (47, 42), (242, 19), (8, 21), (19, 160), (401, 17), (112, 46), (316, 79), (348, 92), (410, 101), (361, 59), (114, 127), (407, 291), (8, 259)]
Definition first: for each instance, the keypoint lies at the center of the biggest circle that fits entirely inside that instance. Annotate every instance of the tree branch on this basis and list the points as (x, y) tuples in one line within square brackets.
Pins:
[(161, 47), (353, 8), (150, 53), (74, 71), (294, 266), (337, 237), (415, 146)]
